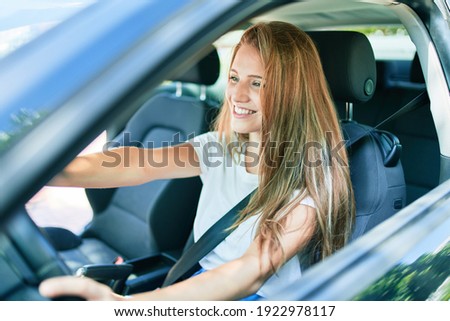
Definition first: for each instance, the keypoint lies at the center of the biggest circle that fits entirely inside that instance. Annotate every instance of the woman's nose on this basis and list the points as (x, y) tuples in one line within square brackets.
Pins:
[(240, 92)]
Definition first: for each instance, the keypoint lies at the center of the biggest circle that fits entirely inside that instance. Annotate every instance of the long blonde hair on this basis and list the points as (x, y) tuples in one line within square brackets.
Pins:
[(300, 140)]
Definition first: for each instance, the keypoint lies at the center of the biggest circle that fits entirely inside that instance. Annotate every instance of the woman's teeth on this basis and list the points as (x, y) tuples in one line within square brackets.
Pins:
[(243, 111)]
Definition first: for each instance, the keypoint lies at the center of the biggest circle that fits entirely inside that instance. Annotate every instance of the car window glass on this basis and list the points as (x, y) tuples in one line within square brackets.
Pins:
[(419, 276), (21, 22)]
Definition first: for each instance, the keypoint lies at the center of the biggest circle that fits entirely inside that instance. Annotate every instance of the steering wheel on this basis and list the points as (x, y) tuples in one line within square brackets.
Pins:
[(26, 259)]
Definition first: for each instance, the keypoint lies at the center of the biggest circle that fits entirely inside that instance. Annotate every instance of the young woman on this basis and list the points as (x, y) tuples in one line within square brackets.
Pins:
[(277, 130)]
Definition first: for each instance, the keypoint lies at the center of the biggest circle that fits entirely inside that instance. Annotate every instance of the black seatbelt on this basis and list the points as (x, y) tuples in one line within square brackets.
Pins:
[(187, 264), (419, 101)]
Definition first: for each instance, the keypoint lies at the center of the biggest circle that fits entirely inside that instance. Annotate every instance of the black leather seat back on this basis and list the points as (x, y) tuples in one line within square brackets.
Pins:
[(143, 217), (375, 167)]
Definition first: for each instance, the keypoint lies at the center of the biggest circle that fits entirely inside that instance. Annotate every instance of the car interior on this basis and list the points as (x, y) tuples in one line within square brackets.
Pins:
[(138, 233), (119, 229)]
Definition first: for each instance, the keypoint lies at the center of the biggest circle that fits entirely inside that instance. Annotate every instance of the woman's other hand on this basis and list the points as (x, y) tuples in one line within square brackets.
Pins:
[(83, 287)]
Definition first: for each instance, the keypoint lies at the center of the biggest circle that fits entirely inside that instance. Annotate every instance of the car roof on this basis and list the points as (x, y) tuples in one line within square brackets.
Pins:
[(319, 14)]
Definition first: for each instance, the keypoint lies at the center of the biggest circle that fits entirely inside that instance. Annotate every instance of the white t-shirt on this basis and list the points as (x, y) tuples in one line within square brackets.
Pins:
[(225, 183)]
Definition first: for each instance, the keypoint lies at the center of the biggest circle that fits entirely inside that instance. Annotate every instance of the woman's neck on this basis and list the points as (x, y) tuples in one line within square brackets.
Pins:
[(252, 150)]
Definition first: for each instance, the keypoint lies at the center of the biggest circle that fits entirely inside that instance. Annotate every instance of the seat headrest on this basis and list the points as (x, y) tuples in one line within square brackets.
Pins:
[(349, 64), (205, 72), (416, 74)]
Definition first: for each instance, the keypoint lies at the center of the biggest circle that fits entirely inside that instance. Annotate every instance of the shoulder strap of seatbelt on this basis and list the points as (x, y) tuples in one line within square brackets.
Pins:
[(418, 101), (186, 265)]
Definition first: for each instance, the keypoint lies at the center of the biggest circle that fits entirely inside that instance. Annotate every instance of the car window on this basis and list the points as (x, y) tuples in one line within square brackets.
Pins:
[(20, 23), (419, 276), (390, 43)]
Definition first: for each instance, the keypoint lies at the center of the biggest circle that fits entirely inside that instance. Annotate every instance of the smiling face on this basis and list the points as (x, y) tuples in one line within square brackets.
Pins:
[(243, 91)]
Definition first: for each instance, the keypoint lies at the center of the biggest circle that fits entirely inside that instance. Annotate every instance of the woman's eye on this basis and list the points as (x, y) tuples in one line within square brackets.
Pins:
[(256, 84), (234, 79)]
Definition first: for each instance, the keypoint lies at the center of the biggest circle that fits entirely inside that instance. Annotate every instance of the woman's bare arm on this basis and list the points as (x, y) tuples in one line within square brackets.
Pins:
[(127, 166)]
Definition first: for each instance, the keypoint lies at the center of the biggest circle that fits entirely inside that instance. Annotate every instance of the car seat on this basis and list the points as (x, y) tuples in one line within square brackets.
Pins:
[(375, 168), (136, 221)]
